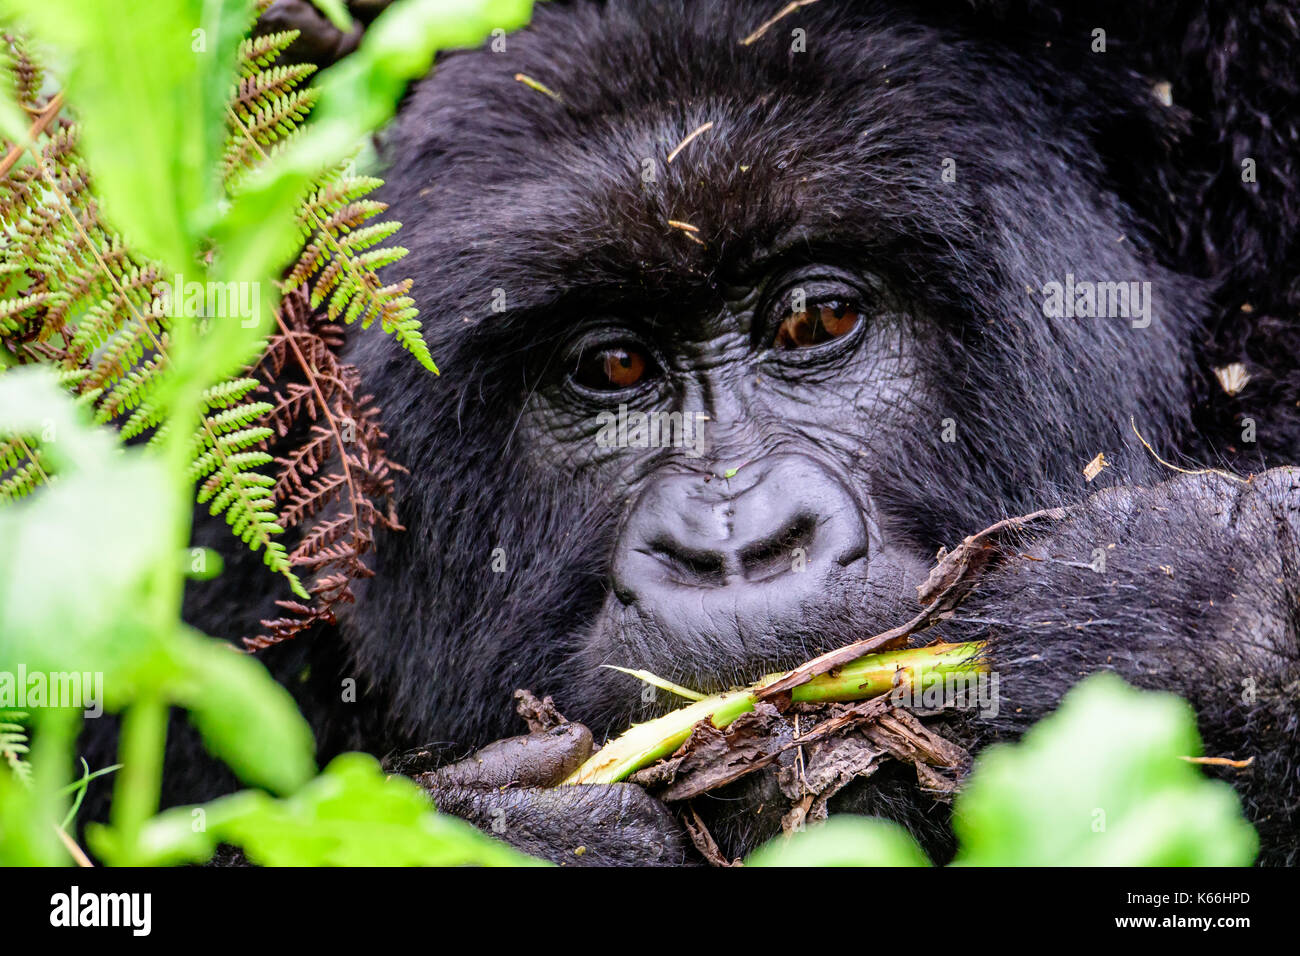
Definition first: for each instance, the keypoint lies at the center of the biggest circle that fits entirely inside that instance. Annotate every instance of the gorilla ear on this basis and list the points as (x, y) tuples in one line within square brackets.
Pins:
[(1226, 193)]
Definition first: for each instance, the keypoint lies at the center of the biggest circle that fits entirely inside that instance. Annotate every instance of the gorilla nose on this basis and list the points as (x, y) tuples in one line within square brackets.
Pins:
[(732, 540), (774, 529)]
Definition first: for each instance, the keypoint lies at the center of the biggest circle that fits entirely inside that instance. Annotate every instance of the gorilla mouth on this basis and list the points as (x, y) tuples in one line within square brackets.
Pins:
[(716, 582), (713, 638)]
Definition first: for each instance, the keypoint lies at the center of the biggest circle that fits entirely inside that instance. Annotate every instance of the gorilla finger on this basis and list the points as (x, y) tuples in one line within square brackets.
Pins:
[(582, 825), (541, 759)]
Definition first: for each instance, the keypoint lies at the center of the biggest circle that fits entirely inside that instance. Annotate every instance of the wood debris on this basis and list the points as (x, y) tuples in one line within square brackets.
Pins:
[(532, 84), (1232, 378), (540, 715), (784, 12), (1094, 467), (686, 142)]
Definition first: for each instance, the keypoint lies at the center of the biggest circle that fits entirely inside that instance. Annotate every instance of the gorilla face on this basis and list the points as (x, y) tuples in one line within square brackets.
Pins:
[(858, 339), (734, 543)]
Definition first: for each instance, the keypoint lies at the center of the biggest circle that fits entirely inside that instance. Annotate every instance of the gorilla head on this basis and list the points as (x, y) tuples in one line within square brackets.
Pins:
[(836, 288)]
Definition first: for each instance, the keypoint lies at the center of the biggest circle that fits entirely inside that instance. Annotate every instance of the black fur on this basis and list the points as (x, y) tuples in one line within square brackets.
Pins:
[(1066, 162)]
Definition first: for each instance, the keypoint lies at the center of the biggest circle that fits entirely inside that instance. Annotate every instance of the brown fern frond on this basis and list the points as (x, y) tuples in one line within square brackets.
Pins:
[(334, 481), (74, 297), (303, 462), (27, 75)]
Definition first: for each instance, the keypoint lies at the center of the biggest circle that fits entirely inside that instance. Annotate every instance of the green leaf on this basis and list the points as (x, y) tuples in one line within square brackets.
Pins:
[(85, 564), (1101, 783), (245, 717), (85, 569), (150, 91), (351, 815), (31, 809), (843, 841), (336, 12)]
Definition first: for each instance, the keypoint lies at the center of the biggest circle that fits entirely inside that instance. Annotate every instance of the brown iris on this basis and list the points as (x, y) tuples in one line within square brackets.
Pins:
[(611, 369), (816, 324)]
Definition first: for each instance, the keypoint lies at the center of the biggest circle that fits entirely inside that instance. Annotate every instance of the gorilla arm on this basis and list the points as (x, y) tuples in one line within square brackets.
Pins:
[(1189, 586)]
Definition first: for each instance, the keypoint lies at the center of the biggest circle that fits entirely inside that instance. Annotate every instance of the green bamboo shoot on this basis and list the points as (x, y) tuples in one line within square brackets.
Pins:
[(861, 679)]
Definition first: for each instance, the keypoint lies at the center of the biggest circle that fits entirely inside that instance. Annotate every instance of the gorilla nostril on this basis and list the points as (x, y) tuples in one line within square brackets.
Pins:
[(691, 566), (682, 533), (778, 554)]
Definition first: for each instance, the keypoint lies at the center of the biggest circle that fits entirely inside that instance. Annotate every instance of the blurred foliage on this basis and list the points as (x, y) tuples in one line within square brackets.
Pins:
[(92, 564)]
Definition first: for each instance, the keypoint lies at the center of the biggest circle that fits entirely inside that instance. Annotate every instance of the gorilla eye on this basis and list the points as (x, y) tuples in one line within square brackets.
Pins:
[(611, 368), (818, 323)]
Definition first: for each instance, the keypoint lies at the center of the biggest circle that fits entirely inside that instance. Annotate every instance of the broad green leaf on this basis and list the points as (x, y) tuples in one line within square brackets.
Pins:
[(1101, 783), (245, 717), (336, 12), (843, 841), (85, 564), (351, 815), (30, 811), (89, 583)]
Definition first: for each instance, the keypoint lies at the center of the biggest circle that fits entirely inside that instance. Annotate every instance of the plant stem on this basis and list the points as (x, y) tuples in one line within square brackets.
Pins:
[(135, 796), (861, 679), (876, 673)]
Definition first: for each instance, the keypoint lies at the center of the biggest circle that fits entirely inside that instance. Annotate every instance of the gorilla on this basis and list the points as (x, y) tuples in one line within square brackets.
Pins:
[(907, 268)]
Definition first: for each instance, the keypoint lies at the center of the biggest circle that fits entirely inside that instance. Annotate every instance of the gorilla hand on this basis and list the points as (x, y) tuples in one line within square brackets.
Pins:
[(509, 789)]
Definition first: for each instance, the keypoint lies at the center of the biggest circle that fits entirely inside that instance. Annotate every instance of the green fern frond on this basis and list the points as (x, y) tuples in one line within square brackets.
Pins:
[(13, 744), (266, 86), (257, 53), (399, 320), (23, 480), (225, 394), (15, 318), (230, 484), (24, 467), (131, 388), (342, 258), (74, 296), (267, 123)]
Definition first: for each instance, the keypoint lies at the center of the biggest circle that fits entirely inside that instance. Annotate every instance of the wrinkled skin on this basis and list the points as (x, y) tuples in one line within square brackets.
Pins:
[(866, 344)]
